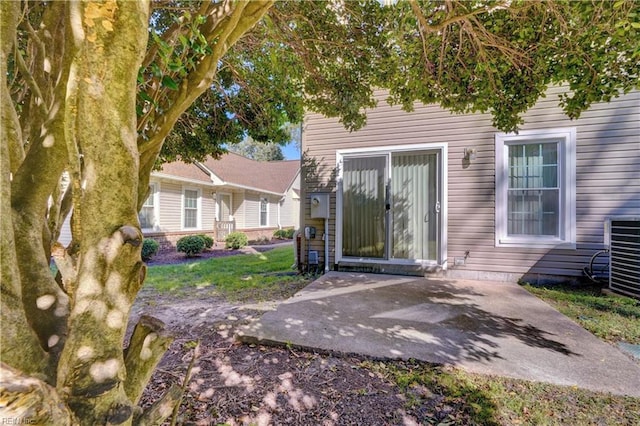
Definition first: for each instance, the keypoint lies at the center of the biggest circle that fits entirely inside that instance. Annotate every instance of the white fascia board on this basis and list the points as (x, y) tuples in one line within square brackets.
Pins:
[(293, 180), (214, 177), (251, 188)]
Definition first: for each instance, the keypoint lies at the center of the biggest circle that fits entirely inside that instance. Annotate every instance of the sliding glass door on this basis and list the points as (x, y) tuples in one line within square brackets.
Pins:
[(390, 205), (415, 213), (364, 213)]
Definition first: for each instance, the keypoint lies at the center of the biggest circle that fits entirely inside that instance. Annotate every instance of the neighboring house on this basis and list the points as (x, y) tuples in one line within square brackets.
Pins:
[(434, 191), (219, 196)]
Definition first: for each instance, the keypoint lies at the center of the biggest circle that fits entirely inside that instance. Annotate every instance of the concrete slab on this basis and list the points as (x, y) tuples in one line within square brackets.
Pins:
[(485, 327)]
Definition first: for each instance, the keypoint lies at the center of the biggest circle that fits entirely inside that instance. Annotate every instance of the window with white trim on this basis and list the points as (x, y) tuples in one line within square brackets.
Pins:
[(535, 188), (264, 212), (190, 209), (148, 214)]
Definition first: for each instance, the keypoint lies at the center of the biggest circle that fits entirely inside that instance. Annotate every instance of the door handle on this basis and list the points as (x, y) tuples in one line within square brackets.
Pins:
[(437, 208)]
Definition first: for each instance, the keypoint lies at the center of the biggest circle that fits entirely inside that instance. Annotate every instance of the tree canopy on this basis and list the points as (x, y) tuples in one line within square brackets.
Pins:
[(258, 151), (99, 90), (492, 56)]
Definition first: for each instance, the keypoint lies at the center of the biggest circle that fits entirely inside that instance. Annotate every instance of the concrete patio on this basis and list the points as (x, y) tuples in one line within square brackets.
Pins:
[(484, 327)]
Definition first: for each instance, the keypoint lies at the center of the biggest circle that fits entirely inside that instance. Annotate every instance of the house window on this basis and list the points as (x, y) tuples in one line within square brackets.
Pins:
[(264, 212), (191, 202), (148, 215), (535, 188)]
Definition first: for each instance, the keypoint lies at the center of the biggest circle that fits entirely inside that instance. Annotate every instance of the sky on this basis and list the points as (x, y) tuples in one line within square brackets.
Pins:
[(290, 152)]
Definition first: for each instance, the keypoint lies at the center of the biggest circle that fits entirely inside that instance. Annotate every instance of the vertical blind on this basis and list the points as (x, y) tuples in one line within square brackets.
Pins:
[(414, 194), (412, 197), (363, 223)]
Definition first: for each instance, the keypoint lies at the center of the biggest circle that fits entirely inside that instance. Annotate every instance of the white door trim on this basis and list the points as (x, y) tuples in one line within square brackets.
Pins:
[(443, 169)]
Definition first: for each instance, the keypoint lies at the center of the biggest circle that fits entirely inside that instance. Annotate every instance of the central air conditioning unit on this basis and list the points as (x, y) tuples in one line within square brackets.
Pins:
[(622, 234)]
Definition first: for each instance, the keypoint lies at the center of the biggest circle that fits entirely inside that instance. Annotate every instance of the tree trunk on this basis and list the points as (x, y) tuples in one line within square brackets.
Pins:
[(111, 39), (19, 346), (77, 75), (30, 400)]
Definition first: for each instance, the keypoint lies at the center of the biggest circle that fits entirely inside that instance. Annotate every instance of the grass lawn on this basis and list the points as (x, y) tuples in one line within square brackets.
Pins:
[(256, 276), (611, 318), (450, 396)]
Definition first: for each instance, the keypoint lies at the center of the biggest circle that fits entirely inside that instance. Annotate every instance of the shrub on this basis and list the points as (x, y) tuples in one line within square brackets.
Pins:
[(191, 245), (280, 234), (284, 234), (208, 241), (236, 240), (149, 248)]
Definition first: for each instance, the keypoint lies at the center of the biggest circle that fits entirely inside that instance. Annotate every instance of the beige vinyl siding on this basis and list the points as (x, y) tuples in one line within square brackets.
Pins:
[(251, 210), (251, 207), (238, 204), (274, 211), (607, 174), (208, 209), (65, 231), (290, 208), (170, 206)]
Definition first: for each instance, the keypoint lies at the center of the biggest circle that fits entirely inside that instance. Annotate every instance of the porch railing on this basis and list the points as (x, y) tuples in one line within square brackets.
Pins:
[(222, 228)]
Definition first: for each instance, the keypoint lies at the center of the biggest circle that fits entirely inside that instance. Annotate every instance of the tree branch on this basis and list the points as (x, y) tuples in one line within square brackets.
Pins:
[(161, 409), (20, 347), (31, 82), (228, 30), (148, 343), (28, 398)]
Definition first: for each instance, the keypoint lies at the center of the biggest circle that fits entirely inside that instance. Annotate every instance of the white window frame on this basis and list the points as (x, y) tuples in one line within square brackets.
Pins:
[(156, 206), (198, 209), (566, 138), (266, 224)]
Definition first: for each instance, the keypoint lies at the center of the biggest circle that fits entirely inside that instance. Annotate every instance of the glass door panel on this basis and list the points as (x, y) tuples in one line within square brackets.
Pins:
[(364, 206), (415, 207)]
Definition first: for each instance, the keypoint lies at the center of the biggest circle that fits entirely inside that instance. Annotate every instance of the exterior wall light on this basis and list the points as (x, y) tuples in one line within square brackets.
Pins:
[(469, 154)]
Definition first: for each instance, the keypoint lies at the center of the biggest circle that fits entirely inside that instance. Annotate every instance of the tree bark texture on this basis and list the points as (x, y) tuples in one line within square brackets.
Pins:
[(74, 111), (110, 39)]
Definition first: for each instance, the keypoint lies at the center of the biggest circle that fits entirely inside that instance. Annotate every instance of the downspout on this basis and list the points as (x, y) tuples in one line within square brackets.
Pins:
[(326, 245)]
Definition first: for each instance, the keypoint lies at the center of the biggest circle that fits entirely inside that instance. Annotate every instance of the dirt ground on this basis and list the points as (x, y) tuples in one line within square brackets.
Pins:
[(239, 384)]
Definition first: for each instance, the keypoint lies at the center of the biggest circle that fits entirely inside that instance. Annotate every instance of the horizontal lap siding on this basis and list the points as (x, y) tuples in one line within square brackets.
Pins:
[(170, 205), (208, 209), (290, 211), (272, 216), (237, 200), (607, 183), (251, 210)]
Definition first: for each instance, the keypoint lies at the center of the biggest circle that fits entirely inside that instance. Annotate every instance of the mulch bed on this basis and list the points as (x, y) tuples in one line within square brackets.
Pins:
[(168, 257), (240, 384)]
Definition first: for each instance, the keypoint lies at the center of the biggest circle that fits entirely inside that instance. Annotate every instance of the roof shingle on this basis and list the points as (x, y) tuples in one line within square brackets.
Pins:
[(234, 169)]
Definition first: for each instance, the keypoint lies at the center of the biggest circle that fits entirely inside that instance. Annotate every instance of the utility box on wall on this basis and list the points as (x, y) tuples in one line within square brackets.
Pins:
[(320, 205)]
